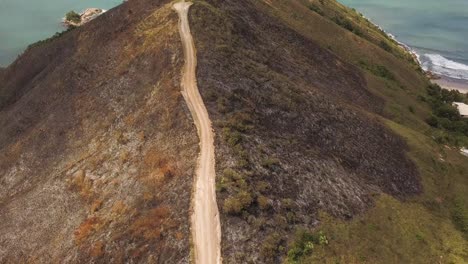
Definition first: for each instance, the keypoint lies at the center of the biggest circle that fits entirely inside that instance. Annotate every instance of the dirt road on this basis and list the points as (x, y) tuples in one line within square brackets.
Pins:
[(206, 228)]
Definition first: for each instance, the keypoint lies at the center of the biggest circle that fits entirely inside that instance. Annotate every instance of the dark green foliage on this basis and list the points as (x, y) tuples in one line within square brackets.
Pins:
[(383, 72), (344, 23), (271, 247), (348, 25), (305, 244), (460, 216), (72, 16), (235, 204), (432, 121), (384, 45), (445, 115), (378, 70), (316, 9), (447, 111), (55, 36), (440, 96)]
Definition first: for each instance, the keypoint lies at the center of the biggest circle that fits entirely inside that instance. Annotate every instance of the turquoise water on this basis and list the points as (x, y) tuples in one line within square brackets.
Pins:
[(437, 30), (23, 22)]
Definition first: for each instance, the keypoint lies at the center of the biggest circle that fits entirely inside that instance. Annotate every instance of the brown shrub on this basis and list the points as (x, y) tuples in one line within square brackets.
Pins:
[(119, 208), (263, 202), (96, 206), (97, 250), (86, 228), (157, 169), (150, 224)]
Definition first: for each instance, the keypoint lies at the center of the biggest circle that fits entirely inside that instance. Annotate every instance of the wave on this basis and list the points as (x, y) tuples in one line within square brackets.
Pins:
[(438, 64), (432, 61)]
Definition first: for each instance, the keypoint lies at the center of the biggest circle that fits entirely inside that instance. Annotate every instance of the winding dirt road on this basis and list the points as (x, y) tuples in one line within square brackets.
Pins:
[(206, 228)]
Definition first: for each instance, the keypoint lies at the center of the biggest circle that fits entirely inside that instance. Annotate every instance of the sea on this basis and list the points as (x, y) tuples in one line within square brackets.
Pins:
[(436, 30), (23, 22)]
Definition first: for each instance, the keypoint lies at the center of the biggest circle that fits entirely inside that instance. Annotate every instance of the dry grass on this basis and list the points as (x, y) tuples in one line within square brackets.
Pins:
[(95, 206), (158, 169), (86, 228), (83, 185), (151, 224), (97, 250), (119, 208)]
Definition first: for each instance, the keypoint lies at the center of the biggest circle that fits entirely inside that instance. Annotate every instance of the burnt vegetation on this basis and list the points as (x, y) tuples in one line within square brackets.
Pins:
[(293, 136)]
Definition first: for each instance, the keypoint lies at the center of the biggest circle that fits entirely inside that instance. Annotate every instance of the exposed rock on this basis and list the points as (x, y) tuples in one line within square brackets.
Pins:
[(86, 16)]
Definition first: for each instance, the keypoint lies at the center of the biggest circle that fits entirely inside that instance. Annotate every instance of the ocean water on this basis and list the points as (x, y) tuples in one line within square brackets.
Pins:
[(437, 30), (23, 22)]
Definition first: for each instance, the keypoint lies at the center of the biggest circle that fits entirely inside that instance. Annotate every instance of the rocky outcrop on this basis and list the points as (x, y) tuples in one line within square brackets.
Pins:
[(86, 16)]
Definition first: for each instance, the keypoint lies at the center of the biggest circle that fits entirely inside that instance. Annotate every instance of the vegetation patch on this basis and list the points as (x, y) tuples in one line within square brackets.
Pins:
[(460, 216), (87, 228), (378, 70), (55, 36), (305, 244), (453, 129), (151, 224), (73, 17)]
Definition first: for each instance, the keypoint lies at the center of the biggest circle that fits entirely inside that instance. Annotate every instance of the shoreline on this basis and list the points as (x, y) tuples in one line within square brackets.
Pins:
[(85, 16), (451, 84), (443, 81)]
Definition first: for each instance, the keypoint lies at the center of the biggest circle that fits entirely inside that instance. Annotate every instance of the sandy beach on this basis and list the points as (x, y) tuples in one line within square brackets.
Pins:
[(452, 84)]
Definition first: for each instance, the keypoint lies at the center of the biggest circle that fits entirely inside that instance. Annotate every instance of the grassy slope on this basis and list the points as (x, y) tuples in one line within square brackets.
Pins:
[(420, 230)]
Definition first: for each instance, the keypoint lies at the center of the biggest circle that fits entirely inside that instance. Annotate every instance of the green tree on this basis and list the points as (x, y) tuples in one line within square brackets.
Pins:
[(73, 17)]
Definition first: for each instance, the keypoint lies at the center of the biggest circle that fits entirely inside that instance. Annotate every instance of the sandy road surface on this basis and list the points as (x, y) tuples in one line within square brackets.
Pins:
[(206, 228)]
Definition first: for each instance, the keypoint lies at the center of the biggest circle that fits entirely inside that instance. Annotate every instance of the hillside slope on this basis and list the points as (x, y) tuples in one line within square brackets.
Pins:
[(302, 109), (97, 145), (322, 149)]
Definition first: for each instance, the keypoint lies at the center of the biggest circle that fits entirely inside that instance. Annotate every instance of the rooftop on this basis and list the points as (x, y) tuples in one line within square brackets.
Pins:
[(462, 108)]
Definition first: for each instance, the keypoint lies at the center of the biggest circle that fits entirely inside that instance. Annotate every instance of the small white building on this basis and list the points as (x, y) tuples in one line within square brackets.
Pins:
[(462, 108)]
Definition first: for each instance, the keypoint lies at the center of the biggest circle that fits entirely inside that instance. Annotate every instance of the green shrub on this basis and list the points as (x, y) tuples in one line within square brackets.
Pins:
[(383, 72), (304, 245), (315, 8), (271, 247), (270, 163), (441, 96), (231, 174), (433, 121), (236, 204), (72, 16), (446, 116), (447, 111), (378, 70), (55, 36), (232, 137), (240, 121), (232, 206), (344, 23), (460, 216), (384, 45)]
